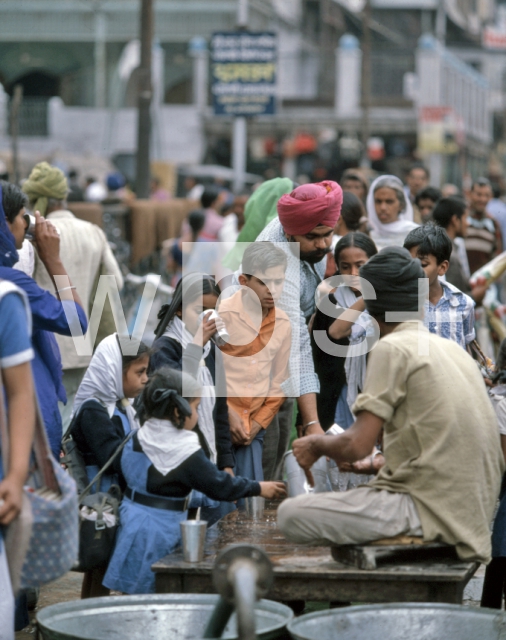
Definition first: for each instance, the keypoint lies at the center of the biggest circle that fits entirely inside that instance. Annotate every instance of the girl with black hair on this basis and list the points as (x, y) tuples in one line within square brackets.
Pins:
[(341, 377), (350, 220), (162, 463), (102, 413), (183, 342), (103, 416)]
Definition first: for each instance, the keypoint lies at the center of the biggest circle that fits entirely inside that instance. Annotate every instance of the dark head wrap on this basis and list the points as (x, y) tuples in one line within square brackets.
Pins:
[(394, 274)]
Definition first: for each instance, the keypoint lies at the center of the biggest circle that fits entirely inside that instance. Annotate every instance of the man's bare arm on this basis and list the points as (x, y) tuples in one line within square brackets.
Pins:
[(354, 444)]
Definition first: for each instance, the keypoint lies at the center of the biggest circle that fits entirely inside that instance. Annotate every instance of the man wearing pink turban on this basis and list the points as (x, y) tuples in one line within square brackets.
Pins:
[(303, 230), (310, 206)]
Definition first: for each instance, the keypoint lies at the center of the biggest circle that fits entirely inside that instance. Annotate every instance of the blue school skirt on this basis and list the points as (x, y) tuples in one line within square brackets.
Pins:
[(145, 534)]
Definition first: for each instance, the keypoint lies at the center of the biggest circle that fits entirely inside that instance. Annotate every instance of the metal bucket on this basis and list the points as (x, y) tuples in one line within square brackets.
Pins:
[(296, 478), (150, 617), (401, 622)]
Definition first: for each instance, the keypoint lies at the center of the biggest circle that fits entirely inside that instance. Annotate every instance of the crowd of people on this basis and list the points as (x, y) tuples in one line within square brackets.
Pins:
[(326, 305)]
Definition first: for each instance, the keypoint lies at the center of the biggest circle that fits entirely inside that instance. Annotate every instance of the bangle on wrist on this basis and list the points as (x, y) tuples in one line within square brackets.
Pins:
[(309, 424), (64, 289)]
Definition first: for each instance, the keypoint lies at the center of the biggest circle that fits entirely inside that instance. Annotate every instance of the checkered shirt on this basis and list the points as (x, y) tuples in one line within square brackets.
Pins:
[(452, 317)]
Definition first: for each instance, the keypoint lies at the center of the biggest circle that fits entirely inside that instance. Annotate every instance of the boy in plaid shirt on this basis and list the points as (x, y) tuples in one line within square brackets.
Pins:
[(449, 313)]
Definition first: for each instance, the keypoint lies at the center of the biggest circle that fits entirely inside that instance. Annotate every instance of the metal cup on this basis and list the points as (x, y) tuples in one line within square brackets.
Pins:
[(193, 534), (255, 507), (221, 337), (30, 226)]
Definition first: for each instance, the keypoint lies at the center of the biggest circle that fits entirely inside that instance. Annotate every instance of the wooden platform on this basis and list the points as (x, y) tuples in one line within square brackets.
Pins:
[(401, 549), (310, 573)]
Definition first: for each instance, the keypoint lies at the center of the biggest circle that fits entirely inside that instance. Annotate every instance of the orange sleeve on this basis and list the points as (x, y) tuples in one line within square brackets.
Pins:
[(279, 373)]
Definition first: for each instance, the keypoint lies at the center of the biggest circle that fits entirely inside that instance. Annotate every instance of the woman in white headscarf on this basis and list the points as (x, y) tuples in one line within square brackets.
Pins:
[(102, 413), (103, 416), (390, 213)]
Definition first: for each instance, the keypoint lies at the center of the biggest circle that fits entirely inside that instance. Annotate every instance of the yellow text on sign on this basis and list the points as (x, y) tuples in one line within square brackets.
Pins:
[(255, 72)]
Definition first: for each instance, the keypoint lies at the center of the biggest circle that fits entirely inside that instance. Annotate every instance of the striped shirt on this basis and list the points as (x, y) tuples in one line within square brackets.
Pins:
[(298, 302), (483, 240), (452, 317)]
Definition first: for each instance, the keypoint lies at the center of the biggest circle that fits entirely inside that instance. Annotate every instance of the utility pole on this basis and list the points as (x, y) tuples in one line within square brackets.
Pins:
[(100, 56), (441, 22), (144, 101), (240, 130), (17, 99), (366, 81)]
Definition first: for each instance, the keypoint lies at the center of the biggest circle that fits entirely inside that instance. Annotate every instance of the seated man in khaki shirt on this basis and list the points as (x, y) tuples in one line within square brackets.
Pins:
[(443, 461)]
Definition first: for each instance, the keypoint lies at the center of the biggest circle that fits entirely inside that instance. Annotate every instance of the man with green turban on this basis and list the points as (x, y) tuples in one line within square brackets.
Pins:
[(260, 210), (87, 255), (45, 183)]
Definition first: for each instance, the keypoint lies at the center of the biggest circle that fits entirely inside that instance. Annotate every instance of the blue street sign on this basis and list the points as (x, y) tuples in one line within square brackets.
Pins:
[(243, 71)]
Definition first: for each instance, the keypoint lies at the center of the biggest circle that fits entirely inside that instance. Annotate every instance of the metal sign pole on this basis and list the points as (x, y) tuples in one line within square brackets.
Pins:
[(144, 101), (239, 152), (240, 128)]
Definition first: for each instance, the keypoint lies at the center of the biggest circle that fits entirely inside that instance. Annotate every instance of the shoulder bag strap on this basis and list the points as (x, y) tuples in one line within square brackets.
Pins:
[(4, 431), (107, 465)]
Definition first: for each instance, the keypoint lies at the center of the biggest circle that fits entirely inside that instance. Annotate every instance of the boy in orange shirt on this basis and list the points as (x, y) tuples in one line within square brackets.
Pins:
[(256, 356)]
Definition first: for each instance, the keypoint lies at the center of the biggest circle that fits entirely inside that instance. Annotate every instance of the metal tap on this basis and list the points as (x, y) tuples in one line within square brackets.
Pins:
[(242, 575)]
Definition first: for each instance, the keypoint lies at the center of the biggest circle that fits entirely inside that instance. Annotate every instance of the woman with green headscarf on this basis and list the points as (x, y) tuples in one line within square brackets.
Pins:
[(260, 210)]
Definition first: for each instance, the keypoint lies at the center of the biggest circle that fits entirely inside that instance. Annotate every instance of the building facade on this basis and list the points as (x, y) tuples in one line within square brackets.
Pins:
[(76, 61)]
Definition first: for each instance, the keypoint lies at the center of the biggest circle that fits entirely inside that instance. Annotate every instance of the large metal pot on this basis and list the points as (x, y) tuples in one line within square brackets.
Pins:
[(151, 617), (401, 622)]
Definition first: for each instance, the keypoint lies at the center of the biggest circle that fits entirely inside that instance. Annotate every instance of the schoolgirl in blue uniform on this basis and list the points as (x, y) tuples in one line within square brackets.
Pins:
[(102, 413), (103, 416), (162, 463)]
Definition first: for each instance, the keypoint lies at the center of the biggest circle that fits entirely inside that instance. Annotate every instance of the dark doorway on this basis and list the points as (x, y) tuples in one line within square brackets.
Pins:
[(36, 84), (38, 87)]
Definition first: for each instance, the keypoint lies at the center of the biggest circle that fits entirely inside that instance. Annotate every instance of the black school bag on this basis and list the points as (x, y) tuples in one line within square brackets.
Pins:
[(98, 512)]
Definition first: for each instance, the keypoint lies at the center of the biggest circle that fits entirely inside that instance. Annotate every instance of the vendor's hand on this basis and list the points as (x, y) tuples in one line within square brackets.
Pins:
[(230, 471), (368, 466), (47, 240), (272, 490), (305, 452), (238, 433), (254, 431), (205, 331), (11, 499)]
